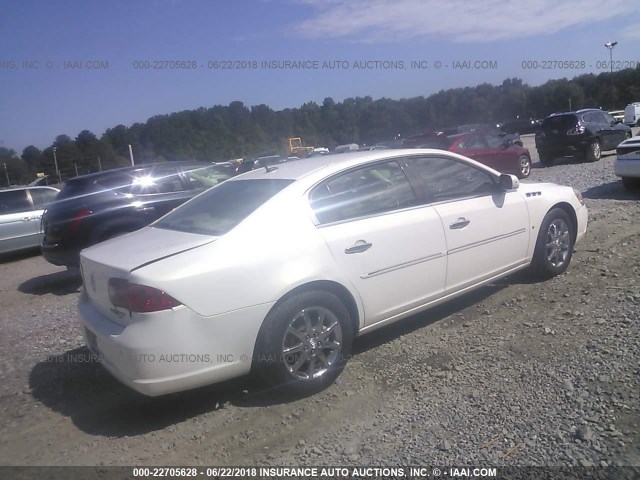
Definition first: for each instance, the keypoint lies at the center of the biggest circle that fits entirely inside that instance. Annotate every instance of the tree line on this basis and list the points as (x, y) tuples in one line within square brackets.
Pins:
[(225, 132)]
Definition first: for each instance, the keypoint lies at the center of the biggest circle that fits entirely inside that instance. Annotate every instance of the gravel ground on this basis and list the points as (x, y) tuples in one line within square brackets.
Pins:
[(517, 373)]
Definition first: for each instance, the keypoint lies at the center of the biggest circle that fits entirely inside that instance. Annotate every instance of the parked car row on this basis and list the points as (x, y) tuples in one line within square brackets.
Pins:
[(92, 208)]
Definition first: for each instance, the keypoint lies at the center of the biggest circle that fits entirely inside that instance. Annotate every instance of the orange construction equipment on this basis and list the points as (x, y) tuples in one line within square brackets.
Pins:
[(296, 147)]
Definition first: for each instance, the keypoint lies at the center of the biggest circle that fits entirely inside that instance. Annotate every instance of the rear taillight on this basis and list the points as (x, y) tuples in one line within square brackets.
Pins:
[(578, 130), (77, 218), (139, 298)]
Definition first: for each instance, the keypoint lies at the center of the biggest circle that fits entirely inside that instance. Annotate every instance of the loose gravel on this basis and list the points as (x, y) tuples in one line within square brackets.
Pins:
[(516, 373)]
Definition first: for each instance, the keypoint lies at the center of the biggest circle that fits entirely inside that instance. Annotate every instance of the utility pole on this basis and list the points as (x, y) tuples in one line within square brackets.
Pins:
[(610, 46), (6, 172), (55, 160), (76, 165), (131, 156), (99, 164)]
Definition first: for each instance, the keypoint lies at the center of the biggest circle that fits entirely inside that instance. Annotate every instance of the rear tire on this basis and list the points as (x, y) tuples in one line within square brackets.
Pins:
[(554, 246), (593, 152), (304, 343), (631, 183), (545, 159)]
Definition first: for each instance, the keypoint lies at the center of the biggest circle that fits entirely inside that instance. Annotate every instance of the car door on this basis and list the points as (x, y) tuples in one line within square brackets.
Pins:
[(486, 228), (617, 131), (19, 224), (389, 246), (606, 131)]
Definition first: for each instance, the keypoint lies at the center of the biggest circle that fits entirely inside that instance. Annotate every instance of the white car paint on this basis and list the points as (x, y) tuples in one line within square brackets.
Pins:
[(627, 163), (228, 284)]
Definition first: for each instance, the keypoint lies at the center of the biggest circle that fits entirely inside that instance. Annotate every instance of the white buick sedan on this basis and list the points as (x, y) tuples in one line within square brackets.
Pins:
[(277, 270)]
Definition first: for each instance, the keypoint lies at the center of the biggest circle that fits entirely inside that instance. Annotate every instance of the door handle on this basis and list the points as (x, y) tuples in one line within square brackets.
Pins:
[(460, 223), (359, 247)]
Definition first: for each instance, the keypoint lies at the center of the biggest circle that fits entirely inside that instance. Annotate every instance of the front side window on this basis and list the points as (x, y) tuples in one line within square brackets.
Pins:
[(495, 142), (14, 201), (446, 179), (218, 210), (366, 191)]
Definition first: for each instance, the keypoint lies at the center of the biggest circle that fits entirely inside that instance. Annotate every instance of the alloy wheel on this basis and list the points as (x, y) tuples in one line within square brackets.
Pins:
[(312, 343), (558, 242)]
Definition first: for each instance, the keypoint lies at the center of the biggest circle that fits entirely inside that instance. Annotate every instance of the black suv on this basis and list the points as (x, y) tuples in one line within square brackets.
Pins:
[(92, 208), (586, 132)]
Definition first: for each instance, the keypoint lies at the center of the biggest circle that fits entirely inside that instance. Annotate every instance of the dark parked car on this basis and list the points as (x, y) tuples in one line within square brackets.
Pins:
[(520, 126), (20, 212), (495, 151), (586, 133), (92, 208)]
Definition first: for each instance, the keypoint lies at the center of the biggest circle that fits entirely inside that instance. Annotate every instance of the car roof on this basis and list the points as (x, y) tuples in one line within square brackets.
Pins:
[(330, 164), (183, 163), (26, 187)]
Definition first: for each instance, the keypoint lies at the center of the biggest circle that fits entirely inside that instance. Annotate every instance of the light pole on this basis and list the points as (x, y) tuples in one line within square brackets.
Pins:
[(55, 160), (6, 172), (610, 46)]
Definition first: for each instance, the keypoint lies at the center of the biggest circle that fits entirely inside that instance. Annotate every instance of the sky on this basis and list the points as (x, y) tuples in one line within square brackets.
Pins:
[(67, 66)]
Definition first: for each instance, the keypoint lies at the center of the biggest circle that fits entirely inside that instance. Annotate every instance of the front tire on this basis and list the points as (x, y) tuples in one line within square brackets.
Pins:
[(305, 342), (524, 166), (554, 246), (594, 151)]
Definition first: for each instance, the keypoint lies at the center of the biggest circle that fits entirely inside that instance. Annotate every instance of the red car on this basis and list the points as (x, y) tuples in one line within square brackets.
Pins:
[(492, 150)]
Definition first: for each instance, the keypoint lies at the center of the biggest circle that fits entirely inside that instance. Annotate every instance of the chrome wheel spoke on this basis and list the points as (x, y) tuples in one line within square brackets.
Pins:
[(323, 358), (293, 349), (303, 358), (296, 333), (311, 367)]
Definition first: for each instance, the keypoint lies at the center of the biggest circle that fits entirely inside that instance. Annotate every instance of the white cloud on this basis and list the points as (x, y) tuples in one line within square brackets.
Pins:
[(457, 20)]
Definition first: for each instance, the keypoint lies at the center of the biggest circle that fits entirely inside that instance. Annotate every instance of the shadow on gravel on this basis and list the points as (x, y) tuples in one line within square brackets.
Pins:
[(611, 191), (75, 385), (17, 256), (59, 283)]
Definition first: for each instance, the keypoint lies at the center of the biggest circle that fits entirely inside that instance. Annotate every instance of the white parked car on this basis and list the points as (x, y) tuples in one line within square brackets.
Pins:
[(627, 163), (277, 270)]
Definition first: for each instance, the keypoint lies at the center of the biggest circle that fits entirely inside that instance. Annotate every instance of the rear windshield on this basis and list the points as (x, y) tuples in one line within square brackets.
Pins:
[(221, 208), (560, 121), (82, 187)]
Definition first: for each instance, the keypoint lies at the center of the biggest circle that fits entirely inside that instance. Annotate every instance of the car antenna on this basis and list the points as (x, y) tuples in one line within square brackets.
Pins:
[(270, 168)]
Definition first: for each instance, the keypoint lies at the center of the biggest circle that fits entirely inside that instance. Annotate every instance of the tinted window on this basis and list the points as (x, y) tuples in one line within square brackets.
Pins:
[(218, 210), (14, 201), (42, 197), (447, 179), (495, 142), (108, 181), (209, 176), (560, 122), (606, 118), (475, 142), (366, 191)]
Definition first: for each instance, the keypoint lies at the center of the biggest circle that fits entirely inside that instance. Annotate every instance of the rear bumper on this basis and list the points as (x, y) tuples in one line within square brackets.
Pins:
[(566, 146), (173, 350), (60, 255), (627, 168)]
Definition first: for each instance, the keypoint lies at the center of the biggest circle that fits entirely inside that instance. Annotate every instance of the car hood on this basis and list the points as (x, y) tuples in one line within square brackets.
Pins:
[(148, 245)]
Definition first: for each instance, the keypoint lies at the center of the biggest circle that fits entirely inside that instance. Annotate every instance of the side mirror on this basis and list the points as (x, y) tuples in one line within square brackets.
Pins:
[(509, 182)]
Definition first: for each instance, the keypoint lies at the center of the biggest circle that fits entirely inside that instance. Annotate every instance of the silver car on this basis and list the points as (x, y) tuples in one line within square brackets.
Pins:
[(20, 213)]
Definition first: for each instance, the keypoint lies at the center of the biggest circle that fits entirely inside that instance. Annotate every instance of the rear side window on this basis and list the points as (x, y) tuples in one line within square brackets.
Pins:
[(209, 176), (218, 210), (366, 191), (446, 179), (42, 197), (14, 201)]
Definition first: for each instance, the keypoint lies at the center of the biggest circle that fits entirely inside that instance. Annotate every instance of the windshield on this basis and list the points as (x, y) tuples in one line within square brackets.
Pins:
[(221, 208)]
